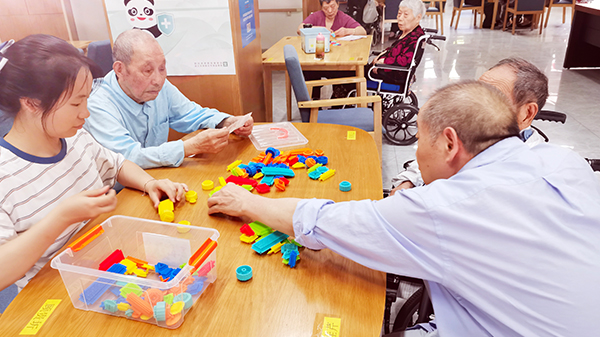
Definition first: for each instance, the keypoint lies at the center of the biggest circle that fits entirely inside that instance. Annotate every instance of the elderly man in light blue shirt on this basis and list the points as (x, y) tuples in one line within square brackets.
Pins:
[(506, 236), (132, 111)]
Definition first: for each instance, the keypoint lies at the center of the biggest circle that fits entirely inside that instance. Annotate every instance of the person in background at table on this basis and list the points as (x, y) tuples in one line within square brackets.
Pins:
[(524, 84), (401, 52), (504, 235), (132, 111), (54, 176), (333, 19)]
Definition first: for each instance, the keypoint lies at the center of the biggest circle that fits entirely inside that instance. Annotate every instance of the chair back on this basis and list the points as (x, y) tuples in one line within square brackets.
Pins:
[(292, 64), (391, 9), (101, 53), (531, 5), (457, 3)]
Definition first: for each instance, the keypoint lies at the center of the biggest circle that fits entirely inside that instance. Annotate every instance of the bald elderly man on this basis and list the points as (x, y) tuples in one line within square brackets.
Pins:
[(504, 235), (132, 111), (527, 88)]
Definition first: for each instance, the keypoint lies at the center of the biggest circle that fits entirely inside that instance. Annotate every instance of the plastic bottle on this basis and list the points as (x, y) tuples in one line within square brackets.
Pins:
[(320, 48)]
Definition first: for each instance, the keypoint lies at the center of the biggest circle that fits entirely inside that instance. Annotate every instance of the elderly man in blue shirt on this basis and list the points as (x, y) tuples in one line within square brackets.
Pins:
[(132, 111), (506, 236)]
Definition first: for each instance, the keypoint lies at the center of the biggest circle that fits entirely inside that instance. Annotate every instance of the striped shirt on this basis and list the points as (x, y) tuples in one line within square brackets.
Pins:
[(30, 186)]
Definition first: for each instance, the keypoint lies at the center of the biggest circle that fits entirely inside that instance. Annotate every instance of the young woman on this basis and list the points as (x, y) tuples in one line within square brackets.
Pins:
[(54, 176)]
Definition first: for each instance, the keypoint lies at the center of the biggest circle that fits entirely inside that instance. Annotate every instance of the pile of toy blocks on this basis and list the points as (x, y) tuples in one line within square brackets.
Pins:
[(266, 240)]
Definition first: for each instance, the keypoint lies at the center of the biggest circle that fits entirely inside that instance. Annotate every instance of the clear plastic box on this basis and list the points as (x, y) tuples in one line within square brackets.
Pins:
[(277, 135), (309, 38), (172, 244)]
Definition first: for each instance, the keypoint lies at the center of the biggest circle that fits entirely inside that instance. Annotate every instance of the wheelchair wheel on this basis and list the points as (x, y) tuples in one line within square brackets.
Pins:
[(412, 100), (409, 312), (400, 124)]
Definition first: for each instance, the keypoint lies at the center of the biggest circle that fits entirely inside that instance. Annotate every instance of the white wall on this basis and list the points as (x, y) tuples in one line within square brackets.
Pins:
[(90, 20), (274, 26)]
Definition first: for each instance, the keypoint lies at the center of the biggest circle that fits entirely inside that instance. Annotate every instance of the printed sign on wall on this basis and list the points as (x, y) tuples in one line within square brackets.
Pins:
[(195, 35), (247, 24)]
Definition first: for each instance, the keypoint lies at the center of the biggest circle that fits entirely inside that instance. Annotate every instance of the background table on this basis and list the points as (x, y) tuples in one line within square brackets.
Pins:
[(583, 49), (350, 55), (278, 301)]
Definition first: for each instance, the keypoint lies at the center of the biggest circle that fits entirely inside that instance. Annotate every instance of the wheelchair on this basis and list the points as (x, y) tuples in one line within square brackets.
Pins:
[(355, 9), (400, 105)]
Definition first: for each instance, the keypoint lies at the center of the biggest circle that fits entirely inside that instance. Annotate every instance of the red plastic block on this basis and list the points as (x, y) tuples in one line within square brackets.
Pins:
[(245, 229), (262, 188), (285, 180), (241, 181), (279, 184), (292, 160), (115, 257)]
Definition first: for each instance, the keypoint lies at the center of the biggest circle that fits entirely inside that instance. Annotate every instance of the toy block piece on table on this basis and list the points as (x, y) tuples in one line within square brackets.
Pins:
[(269, 241)]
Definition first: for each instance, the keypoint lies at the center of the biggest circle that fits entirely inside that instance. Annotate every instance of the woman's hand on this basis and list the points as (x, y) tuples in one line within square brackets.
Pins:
[(86, 205), (156, 188)]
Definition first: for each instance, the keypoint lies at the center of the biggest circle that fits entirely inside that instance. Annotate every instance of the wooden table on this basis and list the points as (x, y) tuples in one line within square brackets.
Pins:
[(278, 301), (583, 49), (351, 55)]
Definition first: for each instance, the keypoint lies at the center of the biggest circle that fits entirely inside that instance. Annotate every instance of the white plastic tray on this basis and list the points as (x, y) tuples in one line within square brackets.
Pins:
[(276, 135)]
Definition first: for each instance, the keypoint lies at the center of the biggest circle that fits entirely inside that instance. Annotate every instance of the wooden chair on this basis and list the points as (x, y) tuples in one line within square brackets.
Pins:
[(459, 6), (561, 3), (361, 117), (436, 8), (535, 7)]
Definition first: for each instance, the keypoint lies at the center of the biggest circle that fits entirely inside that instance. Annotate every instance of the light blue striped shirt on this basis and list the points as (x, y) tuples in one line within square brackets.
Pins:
[(140, 131), (509, 245)]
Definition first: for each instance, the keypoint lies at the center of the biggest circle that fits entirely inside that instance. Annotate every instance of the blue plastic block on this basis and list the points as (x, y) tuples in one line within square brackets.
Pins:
[(278, 171), (116, 291), (314, 175), (292, 259), (129, 312), (160, 311), (313, 157), (243, 273), (109, 305), (322, 160), (186, 298), (345, 186), (301, 159), (95, 290), (269, 180), (269, 241), (287, 249), (197, 286), (272, 151)]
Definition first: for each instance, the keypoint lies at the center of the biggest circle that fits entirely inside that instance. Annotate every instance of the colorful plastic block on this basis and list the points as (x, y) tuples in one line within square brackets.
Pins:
[(322, 160), (208, 185), (191, 196), (114, 257), (241, 181), (280, 185), (269, 241), (263, 188), (313, 168), (186, 298), (327, 175), (94, 291), (345, 186), (260, 228), (292, 259), (298, 165), (248, 239), (160, 311), (222, 181), (278, 171), (314, 175), (310, 162), (234, 164)]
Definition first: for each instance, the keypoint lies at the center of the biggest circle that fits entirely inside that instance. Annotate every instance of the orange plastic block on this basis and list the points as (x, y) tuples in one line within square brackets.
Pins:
[(153, 295), (319, 152), (138, 262), (86, 238), (267, 159), (279, 184), (308, 152), (310, 162), (139, 305), (202, 254), (300, 151)]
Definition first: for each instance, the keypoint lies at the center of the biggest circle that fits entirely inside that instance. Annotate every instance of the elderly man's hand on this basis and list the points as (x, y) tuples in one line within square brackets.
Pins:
[(207, 141), (231, 200), (244, 130)]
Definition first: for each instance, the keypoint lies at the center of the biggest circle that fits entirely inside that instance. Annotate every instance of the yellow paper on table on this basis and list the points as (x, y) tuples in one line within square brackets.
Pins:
[(35, 324), (331, 327), (351, 135)]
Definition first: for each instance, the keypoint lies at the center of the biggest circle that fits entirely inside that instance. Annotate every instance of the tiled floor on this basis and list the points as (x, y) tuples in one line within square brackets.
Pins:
[(468, 52)]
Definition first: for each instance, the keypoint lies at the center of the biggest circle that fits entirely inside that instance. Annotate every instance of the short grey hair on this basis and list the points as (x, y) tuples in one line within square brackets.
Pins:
[(327, 1), (480, 114), (125, 44), (417, 6), (531, 84)]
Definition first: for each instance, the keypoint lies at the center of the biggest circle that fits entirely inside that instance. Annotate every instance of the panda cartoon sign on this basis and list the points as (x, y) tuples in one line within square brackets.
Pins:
[(195, 36)]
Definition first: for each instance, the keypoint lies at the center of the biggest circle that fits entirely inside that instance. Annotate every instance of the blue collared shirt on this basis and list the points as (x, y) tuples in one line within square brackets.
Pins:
[(508, 245), (140, 131)]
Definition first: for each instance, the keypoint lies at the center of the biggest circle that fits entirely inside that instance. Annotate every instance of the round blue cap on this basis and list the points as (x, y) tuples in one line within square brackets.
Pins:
[(345, 186), (243, 273)]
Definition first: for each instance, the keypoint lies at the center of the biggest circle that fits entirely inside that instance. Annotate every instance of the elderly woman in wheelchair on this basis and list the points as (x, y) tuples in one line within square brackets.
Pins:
[(392, 71)]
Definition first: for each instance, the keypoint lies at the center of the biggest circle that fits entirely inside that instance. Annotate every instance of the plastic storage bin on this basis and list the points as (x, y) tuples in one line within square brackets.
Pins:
[(309, 38), (147, 299), (277, 135)]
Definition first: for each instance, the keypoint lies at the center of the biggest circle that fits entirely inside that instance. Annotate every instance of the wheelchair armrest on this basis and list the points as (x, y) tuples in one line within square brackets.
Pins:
[(551, 116), (430, 30)]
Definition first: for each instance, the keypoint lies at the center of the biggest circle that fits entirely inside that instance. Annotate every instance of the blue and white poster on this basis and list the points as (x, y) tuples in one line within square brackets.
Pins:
[(247, 24), (195, 35)]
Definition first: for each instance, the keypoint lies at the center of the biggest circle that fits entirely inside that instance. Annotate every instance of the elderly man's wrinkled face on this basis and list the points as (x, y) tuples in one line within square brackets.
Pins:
[(407, 21), (143, 78), (330, 9)]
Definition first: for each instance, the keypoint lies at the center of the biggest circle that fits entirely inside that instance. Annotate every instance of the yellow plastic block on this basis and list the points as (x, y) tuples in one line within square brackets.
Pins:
[(177, 307), (148, 267), (40, 317), (248, 239), (167, 216), (123, 306), (208, 185), (140, 273), (181, 229), (298, 165), (327, 175), (129, 264), (314, 167), (276, 248), (222, 181), (258, 175), (248, 187), (191, 196), (234, 164), (145, 318)]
